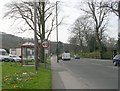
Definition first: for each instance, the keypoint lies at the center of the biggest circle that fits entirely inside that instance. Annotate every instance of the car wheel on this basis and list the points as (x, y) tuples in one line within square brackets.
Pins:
[(115, 63)]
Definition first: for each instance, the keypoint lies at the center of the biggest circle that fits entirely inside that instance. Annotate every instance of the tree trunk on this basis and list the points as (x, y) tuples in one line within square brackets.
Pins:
[(100, 48), (41, 54), (101, 52), (99, 43), (43, 33)]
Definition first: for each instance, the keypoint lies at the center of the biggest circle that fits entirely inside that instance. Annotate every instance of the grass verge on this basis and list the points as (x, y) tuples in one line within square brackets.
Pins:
[(16, 77)]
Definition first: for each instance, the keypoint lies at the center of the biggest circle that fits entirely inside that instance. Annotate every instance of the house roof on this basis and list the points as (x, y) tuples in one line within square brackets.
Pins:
[(27, 44)]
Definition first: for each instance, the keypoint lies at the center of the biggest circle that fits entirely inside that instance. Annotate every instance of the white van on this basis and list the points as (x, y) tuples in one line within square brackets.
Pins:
[(66, 56), (4, 56)]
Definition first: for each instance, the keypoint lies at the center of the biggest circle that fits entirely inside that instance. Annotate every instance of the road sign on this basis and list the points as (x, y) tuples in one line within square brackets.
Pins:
[(46, 51), (45, 43)]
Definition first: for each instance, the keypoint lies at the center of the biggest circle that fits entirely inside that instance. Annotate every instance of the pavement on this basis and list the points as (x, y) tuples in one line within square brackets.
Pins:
[(63, 77)]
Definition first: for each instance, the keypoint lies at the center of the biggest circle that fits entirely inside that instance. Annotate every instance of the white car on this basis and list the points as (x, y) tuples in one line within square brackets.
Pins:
[(16, 58), (4, 57)]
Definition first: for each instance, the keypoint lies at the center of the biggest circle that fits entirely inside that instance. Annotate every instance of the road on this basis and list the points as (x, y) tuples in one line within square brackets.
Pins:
[(96, 74), (90, 73)]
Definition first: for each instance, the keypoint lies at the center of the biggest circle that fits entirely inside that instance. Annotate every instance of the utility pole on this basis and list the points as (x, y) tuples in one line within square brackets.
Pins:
[(119, 27), (118, 43), (35, 38), (57, 29)]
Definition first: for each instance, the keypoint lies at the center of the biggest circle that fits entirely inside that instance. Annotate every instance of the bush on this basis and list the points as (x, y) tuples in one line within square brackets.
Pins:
[(96, 55), (107, 55)]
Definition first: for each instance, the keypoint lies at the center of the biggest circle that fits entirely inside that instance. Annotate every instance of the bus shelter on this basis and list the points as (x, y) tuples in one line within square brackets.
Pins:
[(27, 53)]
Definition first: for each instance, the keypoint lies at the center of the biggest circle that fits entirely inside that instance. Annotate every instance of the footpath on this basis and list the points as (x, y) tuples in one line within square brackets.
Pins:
[(62, 78)]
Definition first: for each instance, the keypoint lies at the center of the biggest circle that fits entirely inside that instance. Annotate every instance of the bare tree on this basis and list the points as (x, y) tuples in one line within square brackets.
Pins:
[(112, 6), (81, 30), (98, 15), (111, 43), (25, 11), (74, 47)]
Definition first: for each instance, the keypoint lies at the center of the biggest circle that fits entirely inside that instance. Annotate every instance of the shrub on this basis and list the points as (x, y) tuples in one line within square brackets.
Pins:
[(96, 55)]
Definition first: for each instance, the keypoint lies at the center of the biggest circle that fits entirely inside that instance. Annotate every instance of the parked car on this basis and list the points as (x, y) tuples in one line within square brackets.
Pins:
[(16, 58), (116, 60), (4, 57)]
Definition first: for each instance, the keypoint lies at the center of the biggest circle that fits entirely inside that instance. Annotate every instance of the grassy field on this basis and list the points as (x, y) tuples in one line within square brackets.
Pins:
[(16, 77)]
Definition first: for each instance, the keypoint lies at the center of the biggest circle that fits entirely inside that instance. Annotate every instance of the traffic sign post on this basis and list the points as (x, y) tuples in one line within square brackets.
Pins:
[(45, 44)]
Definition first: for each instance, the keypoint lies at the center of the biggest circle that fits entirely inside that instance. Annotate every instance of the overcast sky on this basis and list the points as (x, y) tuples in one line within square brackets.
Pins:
[(68, 9)]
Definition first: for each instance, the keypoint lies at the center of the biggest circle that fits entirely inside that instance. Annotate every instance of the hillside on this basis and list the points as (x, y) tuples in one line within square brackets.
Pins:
[(10, 41)]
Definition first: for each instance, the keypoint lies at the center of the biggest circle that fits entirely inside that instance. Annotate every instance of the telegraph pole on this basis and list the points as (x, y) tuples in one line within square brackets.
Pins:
[(119, 27), (57, 29), (119, 43), (35, 38)]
